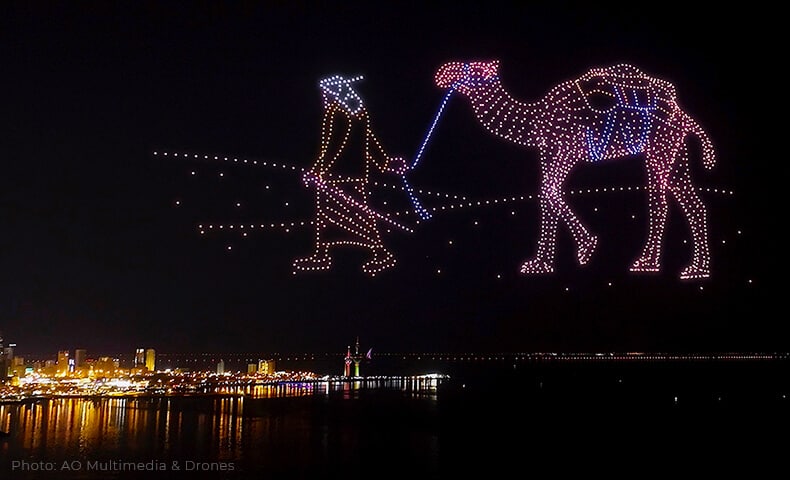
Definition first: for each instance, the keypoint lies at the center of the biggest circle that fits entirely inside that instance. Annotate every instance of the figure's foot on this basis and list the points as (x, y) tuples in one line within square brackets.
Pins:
[(695, 272), (645, 265), (586, 250), (316, 261), (382, 260), (536, 266)]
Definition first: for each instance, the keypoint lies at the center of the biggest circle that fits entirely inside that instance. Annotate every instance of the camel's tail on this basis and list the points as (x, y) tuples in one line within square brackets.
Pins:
[(708, 152)]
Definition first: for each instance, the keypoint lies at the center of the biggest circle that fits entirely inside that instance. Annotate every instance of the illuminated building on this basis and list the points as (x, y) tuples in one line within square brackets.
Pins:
[(17, 367), (79, 357), (221, 367), (252, 367), (139, 358), (3, 366), (266, 367), (106, 365), (150, 360), (63, 362)]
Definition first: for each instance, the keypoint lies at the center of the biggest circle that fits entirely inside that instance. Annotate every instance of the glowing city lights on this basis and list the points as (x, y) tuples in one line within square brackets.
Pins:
[(606, 113)]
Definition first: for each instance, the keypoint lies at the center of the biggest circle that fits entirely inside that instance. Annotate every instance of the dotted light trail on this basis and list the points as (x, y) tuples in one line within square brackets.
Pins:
[(226, 159), (462, 205)]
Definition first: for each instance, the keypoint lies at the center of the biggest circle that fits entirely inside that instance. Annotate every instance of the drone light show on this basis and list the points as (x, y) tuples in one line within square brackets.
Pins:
[(605, 114)]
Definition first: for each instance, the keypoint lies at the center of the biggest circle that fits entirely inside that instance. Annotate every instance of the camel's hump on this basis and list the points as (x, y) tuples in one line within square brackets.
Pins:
[(625, 75)]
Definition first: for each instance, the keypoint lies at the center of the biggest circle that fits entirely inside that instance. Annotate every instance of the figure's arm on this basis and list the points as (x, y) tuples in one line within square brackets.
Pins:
[(384, 162)]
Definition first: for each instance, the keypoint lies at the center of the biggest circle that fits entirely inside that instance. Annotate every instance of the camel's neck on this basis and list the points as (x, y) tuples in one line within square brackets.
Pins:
[(503, 115)]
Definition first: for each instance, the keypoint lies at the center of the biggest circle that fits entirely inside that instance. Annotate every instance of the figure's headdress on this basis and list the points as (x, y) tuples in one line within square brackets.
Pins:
[(342, 89)]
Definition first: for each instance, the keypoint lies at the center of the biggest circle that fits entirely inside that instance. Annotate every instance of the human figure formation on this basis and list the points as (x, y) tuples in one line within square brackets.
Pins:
[(349, 150)]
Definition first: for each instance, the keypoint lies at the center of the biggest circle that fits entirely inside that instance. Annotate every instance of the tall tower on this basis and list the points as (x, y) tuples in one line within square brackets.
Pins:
[(79, 357), (150, 360), (347, 362), (3, 364), (350, 359), (63, 362), (357, 358), (139, 358)]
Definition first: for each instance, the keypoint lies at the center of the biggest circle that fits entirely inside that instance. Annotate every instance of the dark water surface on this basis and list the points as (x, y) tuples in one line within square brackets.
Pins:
[(496, 422)]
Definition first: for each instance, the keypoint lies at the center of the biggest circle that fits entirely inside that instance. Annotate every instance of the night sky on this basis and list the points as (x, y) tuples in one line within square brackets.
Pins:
[(95, 253)]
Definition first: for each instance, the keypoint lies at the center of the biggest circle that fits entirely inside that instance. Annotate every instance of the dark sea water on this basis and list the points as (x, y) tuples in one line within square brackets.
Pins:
[(486, 421)]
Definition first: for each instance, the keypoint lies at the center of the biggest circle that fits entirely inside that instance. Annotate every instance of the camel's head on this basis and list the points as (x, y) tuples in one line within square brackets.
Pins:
[(466, 75)]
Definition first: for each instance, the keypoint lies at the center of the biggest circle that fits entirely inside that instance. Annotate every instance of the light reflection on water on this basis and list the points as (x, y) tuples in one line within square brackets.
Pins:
[(258, 426)]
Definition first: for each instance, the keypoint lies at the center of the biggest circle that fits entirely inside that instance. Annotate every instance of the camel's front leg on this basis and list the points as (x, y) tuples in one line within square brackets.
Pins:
[(553, 209), (657, 184), (585, 241)]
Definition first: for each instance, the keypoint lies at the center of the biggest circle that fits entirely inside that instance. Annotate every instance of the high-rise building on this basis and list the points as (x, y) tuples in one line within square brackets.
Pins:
[(79, 357), (139, 358), (3, 364), (252, 368), (221, 367), (105, 366), (9, 352), (63, 362), (150, 360), (266, 367)]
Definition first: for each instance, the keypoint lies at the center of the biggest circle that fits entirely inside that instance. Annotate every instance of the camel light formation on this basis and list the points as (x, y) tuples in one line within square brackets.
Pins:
[(605, 114)]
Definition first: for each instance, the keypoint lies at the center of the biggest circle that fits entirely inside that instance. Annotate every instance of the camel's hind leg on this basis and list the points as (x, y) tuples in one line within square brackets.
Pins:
[(694, 210), (658, 172)]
